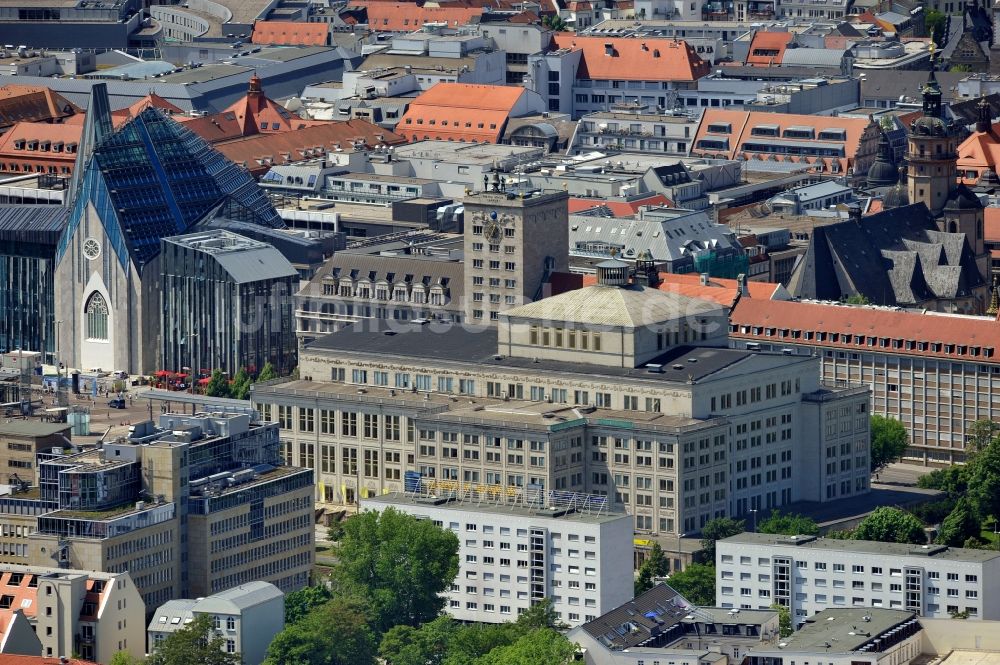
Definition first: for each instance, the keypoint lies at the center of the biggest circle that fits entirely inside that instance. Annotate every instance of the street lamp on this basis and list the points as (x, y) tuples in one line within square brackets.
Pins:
[(753, 511)]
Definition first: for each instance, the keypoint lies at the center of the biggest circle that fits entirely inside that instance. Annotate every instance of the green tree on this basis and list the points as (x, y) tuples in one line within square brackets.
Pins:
[(857, 299), (789, 524), (335, 531), (298, 604), (960, 68), (717, 529), (655, 565), (554, 23), (983, 478), (124, 658), (934, 22), (268, 373), (960, 525), (951, 480), (696, 583), (784, 619), (538, 647), (888, 441), (217, 385), (196, 642), (979, 435), (398, 564), (240, 388), (336, 633), (891, 525), (426, 645)]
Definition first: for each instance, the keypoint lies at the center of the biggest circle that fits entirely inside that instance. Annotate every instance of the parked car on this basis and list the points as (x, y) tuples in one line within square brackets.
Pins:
[(117, 403)]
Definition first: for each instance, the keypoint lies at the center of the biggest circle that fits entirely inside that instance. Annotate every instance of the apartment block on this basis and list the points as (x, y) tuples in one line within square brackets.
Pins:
[(247, 617), (192, 505), (84, 612), (565, 547), (615, 389), (809, 574)]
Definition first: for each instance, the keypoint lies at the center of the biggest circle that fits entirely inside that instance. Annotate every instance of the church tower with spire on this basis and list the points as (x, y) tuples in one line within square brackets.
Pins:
[(931, 152)]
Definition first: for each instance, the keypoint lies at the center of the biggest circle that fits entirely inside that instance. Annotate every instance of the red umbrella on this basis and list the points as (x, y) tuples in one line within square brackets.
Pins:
[(180, 375), (204, 381), (163, 373)]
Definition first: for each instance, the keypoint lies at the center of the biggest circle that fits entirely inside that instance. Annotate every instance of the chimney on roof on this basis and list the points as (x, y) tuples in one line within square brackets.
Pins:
[(704, 278), (854, 212), (741, 285)]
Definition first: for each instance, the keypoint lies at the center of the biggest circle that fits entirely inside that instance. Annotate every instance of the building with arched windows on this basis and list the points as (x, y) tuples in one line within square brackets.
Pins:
[(132, 186)]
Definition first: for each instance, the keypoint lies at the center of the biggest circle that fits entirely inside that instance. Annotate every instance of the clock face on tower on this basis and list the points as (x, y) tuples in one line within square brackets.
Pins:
[(91, 249), (492, 230)]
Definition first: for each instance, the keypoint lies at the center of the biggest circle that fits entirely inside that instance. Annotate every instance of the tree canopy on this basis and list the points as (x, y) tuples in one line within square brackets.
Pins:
[(217, 386), (891, 525), (298, 604), (335, 633), (195, 644), (789, 524), (888, 441), (240, 388), (539, 647), (655, 565), (961, 524), (267, 373), (398, 564), (717, 529), (696, 583), (784, 619), (983, 479)]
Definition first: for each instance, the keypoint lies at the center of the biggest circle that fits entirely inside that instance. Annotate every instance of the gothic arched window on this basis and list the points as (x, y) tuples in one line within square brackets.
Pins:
[(97, 317)]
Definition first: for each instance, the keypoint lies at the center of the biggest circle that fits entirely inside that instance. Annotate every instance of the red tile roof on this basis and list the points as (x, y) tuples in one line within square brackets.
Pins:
[(29, 103), (460, 112), (633, 58), (290, 33), (258, 114), (618, 208), (742, 123), (258, 153), (408, 17), (991, 224), (768, 48), (841, 326), (979, 152)]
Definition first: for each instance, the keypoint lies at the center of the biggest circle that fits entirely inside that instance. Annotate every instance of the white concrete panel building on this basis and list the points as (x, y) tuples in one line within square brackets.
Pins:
[(809, 574), (511, 557)]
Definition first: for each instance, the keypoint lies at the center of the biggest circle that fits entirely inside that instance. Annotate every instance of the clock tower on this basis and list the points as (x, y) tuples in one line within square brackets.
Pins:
[(513, 242)]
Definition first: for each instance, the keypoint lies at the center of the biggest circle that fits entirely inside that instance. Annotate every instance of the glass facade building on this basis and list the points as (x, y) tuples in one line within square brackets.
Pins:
[(227, 304), (28, 238)]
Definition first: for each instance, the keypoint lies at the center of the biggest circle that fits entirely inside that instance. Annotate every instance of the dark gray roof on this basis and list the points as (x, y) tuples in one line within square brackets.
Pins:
[(653, 614), (464, 343), (41, 224), (896, 257), (966, 112), (891, 84)]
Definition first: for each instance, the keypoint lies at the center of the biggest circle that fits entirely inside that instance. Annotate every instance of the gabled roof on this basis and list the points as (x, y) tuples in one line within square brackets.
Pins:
[(618, 208), (980, 151), (841, 323), (991, 221), (26, 103), (896, 257), (633, 58), (460, 112), (256, 113), (740, 127), (257, 153), (290, 33), (768, 48), (649, 614), (38, 134), (408, 17)]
